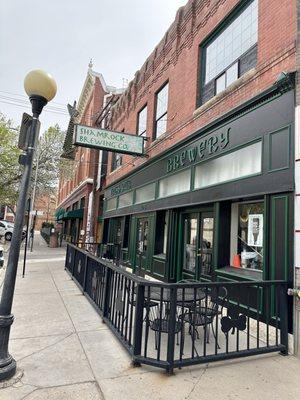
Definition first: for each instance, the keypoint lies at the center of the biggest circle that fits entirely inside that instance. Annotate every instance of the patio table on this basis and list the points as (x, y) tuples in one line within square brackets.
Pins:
[(189, 295)]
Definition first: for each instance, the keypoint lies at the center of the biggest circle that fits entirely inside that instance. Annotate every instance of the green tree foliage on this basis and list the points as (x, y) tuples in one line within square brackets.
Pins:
[(47, 163), (10, 170)]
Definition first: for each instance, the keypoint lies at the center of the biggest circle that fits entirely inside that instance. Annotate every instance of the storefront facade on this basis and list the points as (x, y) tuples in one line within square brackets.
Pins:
[(218, 205)]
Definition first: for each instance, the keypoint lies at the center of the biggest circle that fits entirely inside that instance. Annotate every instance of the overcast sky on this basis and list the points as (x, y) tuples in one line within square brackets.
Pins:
[(60, 36)]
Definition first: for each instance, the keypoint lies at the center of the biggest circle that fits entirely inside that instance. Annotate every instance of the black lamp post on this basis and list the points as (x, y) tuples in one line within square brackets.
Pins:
[(40, 88)]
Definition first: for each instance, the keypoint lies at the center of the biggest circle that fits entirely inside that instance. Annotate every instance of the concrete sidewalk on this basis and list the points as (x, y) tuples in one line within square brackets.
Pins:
[(66, 352)]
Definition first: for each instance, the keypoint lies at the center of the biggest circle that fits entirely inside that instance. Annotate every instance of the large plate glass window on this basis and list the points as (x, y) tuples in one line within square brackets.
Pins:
[(247, 235), (111, 204), (142, 122), (126, 199), (145, 193), (161, 233), (238, 164), (174, 184), (231, 53), (161, 110)]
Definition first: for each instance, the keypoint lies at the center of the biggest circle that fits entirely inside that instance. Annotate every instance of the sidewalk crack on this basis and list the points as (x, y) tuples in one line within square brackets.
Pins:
[(46, 347), (197, 381)]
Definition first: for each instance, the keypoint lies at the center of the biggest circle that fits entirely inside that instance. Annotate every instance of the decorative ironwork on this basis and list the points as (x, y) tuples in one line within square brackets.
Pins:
[(125, 302), (79, 267), (119, 302), (233, 320)]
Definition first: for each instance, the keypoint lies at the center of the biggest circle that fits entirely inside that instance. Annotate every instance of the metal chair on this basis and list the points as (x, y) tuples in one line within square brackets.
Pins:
[(205, 314), (158, 319)]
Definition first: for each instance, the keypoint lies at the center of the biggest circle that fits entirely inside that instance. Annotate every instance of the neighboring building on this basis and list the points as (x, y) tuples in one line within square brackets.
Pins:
[(45, 207), (7, 214), (216, 101), (77, 197)]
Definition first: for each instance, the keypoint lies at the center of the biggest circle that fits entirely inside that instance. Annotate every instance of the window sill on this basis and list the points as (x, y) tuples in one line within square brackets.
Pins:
[(235, 85), (245, 273), (161, 256)]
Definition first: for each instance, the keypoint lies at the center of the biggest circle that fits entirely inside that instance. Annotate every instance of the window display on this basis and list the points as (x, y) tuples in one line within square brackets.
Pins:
[(248, 237)]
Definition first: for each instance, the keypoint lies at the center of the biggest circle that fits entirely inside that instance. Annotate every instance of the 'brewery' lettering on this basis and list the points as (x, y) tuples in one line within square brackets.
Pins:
[(204, 147)]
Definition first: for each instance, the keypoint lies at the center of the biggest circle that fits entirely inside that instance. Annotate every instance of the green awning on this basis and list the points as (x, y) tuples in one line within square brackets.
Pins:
[(73, 214)]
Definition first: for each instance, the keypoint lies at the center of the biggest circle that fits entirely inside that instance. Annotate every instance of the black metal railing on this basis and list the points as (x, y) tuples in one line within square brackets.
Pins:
[(175, 325), (92, 247)]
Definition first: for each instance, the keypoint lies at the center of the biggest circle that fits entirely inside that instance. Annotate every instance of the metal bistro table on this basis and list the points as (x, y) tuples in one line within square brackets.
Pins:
[(184, 296)]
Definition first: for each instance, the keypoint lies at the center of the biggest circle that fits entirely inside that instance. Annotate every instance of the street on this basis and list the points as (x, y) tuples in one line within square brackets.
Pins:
[(64, 351)]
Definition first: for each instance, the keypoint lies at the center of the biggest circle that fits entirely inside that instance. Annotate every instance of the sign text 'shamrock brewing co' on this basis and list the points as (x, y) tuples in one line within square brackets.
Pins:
[(119, 142)]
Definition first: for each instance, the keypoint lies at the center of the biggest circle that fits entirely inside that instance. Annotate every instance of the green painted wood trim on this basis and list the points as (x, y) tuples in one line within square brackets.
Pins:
[(274, 199), (289, 127), (219, 272), (216, 237)]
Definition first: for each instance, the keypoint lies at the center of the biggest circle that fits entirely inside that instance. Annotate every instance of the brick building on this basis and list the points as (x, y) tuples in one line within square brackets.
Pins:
[(77, 197), (215, 197)]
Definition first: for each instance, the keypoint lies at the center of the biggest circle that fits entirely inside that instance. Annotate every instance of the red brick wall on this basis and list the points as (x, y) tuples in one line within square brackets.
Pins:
[(84, 159), (176, 59)]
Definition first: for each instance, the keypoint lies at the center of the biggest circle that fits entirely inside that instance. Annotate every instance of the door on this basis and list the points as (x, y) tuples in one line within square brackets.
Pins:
[(197, 245), (142, 244)]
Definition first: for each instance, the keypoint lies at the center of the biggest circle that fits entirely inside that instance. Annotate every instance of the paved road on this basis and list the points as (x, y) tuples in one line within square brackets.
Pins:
[(66, 353)]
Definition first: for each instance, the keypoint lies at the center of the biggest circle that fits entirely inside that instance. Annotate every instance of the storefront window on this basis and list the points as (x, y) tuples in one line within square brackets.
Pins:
[(235, 165), (174, 184), (161, 232), (126, 199), (145, 193), (111, 204), (247, 228)]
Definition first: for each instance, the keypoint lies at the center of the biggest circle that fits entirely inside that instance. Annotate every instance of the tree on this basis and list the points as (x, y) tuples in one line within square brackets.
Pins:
[(46, 165), (46, 168), (49, 163), (10, 170)]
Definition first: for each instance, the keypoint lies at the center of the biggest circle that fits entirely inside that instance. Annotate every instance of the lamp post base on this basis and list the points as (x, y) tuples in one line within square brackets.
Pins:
[(7, 363), (7, 368)]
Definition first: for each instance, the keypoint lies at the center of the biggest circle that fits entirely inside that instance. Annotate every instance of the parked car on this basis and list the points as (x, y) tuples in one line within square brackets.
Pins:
[(6, 230), (1, 257)]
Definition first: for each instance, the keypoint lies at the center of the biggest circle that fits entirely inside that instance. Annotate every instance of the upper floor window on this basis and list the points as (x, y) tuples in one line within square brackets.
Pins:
[(142, 122), (231, 53), (161, 110), (116, 161)]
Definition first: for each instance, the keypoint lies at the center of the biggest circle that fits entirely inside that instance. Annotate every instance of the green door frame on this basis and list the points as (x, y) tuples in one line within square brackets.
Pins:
[(201, 212)]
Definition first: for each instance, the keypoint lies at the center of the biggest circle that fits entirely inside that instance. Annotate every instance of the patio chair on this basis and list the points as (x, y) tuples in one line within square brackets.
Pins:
[(205, 314), (158, 319)]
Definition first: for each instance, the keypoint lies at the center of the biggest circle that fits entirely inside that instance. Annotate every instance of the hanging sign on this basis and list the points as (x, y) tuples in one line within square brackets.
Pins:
[(119, 142)]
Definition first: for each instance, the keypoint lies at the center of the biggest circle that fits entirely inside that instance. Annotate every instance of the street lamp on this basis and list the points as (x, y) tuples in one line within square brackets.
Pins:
[(41, 88)]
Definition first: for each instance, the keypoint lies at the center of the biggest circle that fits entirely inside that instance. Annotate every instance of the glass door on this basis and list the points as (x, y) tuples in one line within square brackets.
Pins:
[(206, 241), (197, 245), (142, 243), (190, 244)]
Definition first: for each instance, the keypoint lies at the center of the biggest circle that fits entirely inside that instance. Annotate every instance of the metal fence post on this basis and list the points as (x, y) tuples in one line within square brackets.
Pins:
[(171, 333), (283, 313), (67, 257), (73, 264), (138, 325), (85, 273), (107, 284)]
